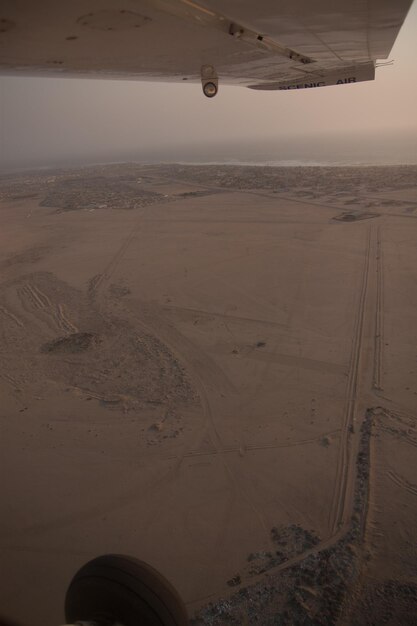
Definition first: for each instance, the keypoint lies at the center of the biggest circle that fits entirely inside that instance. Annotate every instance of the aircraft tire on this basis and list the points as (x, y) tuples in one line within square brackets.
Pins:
[(120, 589)]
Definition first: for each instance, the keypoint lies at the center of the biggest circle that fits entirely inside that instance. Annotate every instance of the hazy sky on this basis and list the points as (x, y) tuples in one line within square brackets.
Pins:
[(46, 119)]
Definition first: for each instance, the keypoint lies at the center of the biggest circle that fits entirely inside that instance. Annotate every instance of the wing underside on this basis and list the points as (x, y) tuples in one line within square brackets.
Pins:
[(267, 44)]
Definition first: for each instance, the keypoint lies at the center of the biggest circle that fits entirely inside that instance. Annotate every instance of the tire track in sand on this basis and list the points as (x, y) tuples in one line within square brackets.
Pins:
[(201, 368), (98, 280), (30, 294), (379, 316), (254, 448), (8, 314), (401, 482), (148, 323), (344, 473)]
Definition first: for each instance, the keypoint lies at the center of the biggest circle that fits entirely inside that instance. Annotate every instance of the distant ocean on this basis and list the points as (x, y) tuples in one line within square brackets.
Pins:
[(301, 163), (382, 149), (334, 150)]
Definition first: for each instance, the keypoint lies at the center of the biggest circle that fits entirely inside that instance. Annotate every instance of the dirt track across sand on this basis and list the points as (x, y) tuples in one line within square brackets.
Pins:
[(211, 369)]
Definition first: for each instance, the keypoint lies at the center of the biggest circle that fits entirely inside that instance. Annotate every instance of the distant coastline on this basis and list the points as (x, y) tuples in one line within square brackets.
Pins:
[(328, 151), (295, 163), (302, 162), (64, 166)]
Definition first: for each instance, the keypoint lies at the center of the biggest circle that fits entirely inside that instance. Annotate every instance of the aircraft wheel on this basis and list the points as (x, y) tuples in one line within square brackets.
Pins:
[(120, 589), (210, 89)]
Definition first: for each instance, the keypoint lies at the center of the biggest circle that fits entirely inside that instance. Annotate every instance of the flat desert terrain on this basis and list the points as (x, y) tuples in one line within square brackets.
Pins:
[(213, 369)]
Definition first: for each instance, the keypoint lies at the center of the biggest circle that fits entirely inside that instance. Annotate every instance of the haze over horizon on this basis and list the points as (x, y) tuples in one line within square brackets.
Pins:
[(54, 121)]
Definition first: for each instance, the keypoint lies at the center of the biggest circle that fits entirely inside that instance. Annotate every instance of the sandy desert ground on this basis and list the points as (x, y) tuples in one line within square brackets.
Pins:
[(213, 369)]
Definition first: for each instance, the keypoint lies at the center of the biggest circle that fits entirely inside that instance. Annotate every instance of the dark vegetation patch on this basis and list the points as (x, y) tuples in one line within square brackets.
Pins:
[(23, 196), (354, 217), (30, 256), (290, 541), (119, 291), (196, 194), (391, 602), (76, 342)]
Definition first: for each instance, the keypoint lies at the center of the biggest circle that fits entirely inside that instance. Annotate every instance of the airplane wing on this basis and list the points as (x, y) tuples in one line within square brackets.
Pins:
[(262, 44)]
